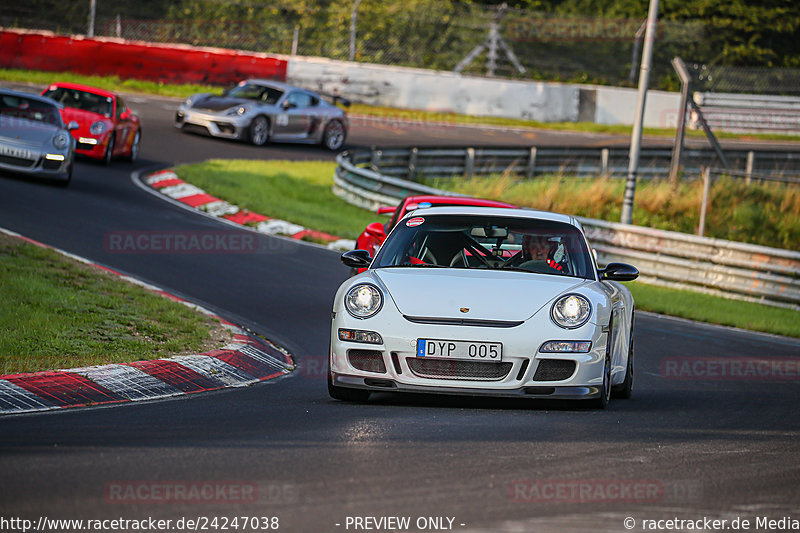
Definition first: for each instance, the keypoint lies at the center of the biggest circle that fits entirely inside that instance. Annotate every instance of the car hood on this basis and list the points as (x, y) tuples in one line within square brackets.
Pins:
[(219, 103), (22, 131), (81, 116), (489, 295)]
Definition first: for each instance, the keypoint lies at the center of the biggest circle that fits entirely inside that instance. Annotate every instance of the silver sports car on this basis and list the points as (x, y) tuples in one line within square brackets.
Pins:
[(259, 111), (33, 138), (479, 300)]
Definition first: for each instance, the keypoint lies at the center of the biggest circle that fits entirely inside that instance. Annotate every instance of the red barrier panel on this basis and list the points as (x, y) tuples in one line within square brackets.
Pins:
[(134, 59)]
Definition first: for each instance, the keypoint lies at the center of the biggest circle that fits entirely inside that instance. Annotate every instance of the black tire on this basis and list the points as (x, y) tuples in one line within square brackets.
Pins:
[(134, 155), (625, 389), (605, 388), (258, 132), (109, 155), (334, 135), (343, 394)]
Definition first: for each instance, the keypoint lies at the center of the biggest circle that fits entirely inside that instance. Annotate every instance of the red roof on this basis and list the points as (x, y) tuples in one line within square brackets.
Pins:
[(86, 88)]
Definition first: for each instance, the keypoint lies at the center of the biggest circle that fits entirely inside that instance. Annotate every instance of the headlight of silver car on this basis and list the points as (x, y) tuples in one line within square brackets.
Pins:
[(61, 140), (363, 300), (238, 110), (97, 127), (571, 311), (189, 101)]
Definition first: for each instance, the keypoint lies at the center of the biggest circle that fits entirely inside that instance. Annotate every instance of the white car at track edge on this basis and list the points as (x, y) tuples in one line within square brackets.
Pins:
[(483, 301)]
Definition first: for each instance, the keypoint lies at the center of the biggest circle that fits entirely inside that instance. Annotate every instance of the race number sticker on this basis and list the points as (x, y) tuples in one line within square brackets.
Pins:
[(416, 221), (282, 119)]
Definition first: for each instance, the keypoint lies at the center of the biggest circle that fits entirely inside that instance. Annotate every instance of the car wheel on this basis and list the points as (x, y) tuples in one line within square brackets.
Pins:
[(625, 389), (334, 135), (109, 155), (343, 394), (605, 388), (134, 153), (259, 131)]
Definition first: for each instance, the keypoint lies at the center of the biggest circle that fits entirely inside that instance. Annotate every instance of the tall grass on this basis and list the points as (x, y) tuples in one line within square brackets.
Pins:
[(760, 213)]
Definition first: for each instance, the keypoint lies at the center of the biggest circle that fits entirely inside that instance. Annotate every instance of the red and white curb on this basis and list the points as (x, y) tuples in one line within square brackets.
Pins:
[(247, 359), (169, 184)]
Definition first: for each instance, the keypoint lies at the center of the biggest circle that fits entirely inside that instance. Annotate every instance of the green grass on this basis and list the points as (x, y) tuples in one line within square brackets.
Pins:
[(297, 191), (716, 310), (766, 214), (113, 83), (300, 192), (58, 313)]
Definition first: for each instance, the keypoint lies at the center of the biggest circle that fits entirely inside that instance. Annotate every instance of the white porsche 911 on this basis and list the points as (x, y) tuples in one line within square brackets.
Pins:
[(476, 300)]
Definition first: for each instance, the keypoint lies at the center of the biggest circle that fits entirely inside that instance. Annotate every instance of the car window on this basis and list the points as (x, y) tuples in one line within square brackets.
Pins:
[(473, 242), (87, 101), (30, 109), (299, 99), (252, 91), (121, 107)]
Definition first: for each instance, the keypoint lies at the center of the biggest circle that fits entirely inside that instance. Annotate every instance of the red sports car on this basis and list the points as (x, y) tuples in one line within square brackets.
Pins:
[(107, 128), (374, 234)]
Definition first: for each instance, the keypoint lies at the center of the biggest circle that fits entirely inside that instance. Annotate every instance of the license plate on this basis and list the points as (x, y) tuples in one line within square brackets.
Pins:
[(13, 151), (472, 351)]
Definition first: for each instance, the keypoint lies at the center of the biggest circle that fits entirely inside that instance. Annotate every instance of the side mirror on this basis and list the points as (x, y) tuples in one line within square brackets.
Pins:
[(356, 258), (125, 115), (287, 105), (386, 210), (619, 272), (72, 125), (376, 230)]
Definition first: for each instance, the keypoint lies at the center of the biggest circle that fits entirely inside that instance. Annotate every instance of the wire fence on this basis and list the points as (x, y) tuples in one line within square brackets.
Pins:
[(431, 34)]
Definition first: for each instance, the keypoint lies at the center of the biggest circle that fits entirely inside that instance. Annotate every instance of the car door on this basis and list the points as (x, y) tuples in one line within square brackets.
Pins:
[(294, 120)]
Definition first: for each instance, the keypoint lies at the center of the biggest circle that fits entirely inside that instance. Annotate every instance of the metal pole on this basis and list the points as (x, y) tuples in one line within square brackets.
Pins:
[(677, 147), (704, 206), (636, 134), (119, 25), (353, 20), (637, 44), (295, 38), (92, 11)]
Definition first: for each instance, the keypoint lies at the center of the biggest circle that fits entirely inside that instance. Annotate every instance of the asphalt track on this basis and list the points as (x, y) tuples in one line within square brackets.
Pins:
[(720, 448)]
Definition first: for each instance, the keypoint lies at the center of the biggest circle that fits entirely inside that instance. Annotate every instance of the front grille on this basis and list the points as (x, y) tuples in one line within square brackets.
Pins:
[(463, 322), (195, 128), (455, 369), (367, 360), (16, 161), (84, 146), (554, 370), (49, 164)]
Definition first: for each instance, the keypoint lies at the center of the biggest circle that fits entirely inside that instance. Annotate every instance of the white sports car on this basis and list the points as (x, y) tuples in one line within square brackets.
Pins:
[(477, 300)]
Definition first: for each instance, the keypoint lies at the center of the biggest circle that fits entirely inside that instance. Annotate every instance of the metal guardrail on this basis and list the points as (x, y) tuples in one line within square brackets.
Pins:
[(414, 163), (731, 269)]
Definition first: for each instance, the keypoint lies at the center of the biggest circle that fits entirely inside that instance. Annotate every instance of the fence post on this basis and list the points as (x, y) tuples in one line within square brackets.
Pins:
[(751, 156), (92, 13), (295, 39), (604, 162), (531, 163), (704, 205), (412, 163), (469, 163)]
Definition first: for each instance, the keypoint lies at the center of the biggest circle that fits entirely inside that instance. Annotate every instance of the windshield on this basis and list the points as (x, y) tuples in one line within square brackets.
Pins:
[(30, 109), (102, 105), (268, 95), (473, 242)]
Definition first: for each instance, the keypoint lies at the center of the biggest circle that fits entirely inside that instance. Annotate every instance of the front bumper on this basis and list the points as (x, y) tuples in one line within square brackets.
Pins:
[(216, 125), (49, 165)]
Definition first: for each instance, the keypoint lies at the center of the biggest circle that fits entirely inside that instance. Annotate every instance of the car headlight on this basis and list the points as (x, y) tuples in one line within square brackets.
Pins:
[(363, 300), (238, 110), (61, 140), (97, 127), (189, 101), (571, 311)]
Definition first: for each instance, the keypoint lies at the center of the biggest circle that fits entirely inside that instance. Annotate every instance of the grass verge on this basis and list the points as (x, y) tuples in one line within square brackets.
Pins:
[(58, 313), (114, 83), (300, 192)]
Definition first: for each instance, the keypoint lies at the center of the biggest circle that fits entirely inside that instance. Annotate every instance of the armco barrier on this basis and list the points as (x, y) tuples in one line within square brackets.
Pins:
[(735, 270), (132, 59)]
